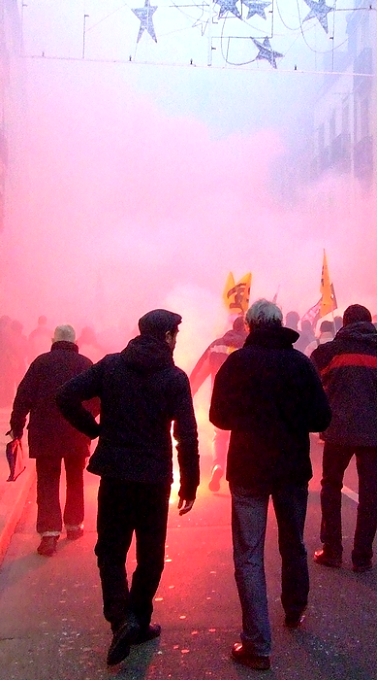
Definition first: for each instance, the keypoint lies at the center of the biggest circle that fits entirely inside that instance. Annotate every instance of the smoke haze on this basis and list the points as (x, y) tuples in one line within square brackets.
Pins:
[(137, 195)]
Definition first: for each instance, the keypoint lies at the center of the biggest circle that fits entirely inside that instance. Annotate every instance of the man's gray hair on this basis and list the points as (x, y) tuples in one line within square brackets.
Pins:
[(64, 332), (263, 313)]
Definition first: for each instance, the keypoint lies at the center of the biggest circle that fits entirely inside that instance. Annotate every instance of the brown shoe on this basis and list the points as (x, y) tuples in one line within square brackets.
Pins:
[(240, 655), (326, 558), (48, 545)]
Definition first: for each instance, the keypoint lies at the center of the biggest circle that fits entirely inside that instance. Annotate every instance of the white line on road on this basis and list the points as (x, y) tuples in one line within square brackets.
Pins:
[(350, 493)]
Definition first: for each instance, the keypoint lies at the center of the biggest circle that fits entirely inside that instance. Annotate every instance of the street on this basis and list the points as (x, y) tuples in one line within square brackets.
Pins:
[(52, 625)]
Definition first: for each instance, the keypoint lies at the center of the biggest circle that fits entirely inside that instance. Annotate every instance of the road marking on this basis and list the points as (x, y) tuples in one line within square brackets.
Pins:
[(350, 493)]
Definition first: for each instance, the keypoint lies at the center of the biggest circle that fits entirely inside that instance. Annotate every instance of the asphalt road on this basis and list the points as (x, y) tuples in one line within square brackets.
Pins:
[(52, 627)]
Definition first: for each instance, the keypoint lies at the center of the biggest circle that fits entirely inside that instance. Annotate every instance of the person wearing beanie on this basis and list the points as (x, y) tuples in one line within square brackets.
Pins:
[(51, 439), (326, 333), (142, 394), (348, 369), (270, 397), (207, 366)]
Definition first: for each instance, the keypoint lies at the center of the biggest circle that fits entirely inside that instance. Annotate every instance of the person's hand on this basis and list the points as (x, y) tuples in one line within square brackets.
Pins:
[(184, 505)]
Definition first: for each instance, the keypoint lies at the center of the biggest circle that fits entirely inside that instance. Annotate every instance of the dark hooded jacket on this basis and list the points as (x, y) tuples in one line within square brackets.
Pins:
[(270, 396), (348, 370), (214, 356), (49, 434), (141, 392)]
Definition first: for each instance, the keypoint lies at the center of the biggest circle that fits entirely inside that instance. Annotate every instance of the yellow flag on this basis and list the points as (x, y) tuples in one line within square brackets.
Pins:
[(236, 294), (328, 300)]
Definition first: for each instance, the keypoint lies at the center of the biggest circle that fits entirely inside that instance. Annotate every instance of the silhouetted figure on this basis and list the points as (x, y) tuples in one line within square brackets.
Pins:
[(326, 333), (292, 321), (142, 393), (19, 352), (338, 323), (270, 397), (348, 368), (6, 372), (207, 366), (40, 339), (52, 439), (89, 345)]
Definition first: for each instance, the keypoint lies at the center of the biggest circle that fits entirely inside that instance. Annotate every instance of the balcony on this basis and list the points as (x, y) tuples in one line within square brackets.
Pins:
[(364, 158)]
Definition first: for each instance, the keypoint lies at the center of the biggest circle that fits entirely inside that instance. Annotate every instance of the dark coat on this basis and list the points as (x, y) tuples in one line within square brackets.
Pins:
[(270, 397), (141, 392), (49, 434), (348, 369)]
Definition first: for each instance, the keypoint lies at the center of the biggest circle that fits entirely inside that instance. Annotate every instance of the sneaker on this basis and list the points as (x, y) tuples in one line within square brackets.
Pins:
[(48, 545), (75, 533), (146, 634), (241, 655), (216, 475), (120, 646), (362, 568), (326, 558)]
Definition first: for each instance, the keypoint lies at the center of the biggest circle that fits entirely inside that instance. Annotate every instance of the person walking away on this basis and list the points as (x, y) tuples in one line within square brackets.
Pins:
[(51, 439), (270, 396), (207, 366), (142, 393), (348, 369), (39, 339), (326, 333)]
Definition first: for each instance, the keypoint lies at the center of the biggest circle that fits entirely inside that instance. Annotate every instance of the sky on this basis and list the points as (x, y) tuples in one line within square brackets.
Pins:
[(143, 183)]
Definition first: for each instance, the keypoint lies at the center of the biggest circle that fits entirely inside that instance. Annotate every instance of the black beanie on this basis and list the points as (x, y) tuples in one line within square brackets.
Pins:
[(356, 313), (158, 322)]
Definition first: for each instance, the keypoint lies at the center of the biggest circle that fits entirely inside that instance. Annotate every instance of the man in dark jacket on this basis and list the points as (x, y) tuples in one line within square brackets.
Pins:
[(348, 369), (142, 392), (207, 366), (270, 396), (51, 439)]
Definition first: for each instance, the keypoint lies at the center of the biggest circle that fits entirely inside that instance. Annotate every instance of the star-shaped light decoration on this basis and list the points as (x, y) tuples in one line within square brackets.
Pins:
[(256, 8), (319, 11), (266, 51), (228, 6), (144, 14)]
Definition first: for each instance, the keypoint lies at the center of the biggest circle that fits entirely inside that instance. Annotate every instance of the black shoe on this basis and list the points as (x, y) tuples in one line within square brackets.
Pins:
[(294, 620), (75, 534), (216, 476), (151, 632), (48, 545), (362, 568), (120, 646), (326, 558), (241, 655)]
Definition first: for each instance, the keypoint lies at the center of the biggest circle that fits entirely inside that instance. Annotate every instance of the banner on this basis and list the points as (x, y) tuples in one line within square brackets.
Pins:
[(236, 294), (328, 301)]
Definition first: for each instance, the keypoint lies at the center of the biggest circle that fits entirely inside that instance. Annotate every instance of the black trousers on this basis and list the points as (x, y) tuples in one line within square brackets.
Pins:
[(125, 507), (335, 460), (49, 515)]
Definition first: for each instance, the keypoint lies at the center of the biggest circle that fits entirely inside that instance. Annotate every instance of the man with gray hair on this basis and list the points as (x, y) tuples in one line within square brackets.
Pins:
[(52, 439), (270, 396)]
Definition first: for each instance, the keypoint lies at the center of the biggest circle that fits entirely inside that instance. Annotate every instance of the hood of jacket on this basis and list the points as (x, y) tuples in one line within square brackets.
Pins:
[(234, 338), (272, 337), (362, 331), (147, 355)]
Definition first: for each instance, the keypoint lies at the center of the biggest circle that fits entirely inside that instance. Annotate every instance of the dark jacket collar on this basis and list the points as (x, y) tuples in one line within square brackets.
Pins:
[(272, 337), (65, 345)]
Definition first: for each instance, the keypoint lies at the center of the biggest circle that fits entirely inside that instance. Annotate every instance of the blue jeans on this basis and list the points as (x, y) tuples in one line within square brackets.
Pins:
[(249, 519)]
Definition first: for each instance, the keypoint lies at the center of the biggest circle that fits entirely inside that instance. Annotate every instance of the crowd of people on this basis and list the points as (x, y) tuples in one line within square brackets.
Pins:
[(267, 398)]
